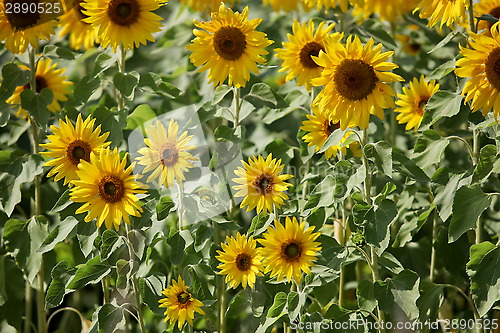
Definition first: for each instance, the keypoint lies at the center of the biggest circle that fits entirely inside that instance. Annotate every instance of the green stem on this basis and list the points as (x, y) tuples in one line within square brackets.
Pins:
[(433, 250), (471, 151), (221, 286), (473, 27), (105, 289), (121, 69), (237, 105), (28, 305), (180, 212)]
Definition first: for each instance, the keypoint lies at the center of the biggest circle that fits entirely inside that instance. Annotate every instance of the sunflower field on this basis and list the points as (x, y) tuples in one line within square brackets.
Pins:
[(249, 166)]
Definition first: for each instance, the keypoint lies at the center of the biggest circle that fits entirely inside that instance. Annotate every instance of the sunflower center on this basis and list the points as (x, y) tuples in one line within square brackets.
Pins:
[(495, 12), (124, 12), (308, 51), (492, 68), (78, 150), (331, 127), (230, 43), (111, 189), (355, 79), (22, 19), (263, 184), (292, 251), (169, 154), (183, 297), (421, 105), (40, 84), (243, 262)]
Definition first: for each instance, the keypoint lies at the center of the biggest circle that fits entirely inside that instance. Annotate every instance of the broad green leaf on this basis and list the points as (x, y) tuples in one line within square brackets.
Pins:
[(220, 93), (58, 234), (60, 275), (164, 207), (262, 95), (139, 116), (257, 302), (279, 303), (59, 52), (83, 90), (15, 296), (401, 291), (12, 77), (429, 149), (102, 62), (200, 276), (111, 318), (110, 244), (150, 289), (378, 31), (441, 104), (409, 168), (238, 304), (333, 140), (486, 160), (365, 296), (87, 233), (91, 272), (138, 241), (260, 224), (391, 263), (177, 245), (63, 202), (445, 41), (126, 83), (3, 292), (377, 232), (468, 205), (112, 122), (381, 152), (225, 133), (430, 301), (443, 70), (295, 303)]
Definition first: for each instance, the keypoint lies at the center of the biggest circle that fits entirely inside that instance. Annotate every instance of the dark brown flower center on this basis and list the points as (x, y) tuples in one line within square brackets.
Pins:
[(421, 104), (169, 154), (78, 150), (492, 68), (19, 18), (40, 84), (230, 43), (495, 12), (111, 189), (243, 262), (308, 51), (263, 184), (124, 12), (331, 127), (292, 251), (183, 298), (355, 79)]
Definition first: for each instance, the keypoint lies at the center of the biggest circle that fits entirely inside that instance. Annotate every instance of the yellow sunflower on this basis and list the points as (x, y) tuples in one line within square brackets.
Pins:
[(285, 5), (47, 76), (166, 155), (228, 46), (208, 5), (289, 250), (412, 101), (71, 144), (344, 4), (129, 23), (107, 188), (491, 7), (301, 46), (241, 261), (81, 34), (387, 10), (354, 80), (319, 127), (180, 304), (446, 11), (24, 28), (480, 63), (261, 183)]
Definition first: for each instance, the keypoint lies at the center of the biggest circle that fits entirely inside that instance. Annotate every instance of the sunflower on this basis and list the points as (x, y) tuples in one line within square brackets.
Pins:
[(129, 23), (289, 250), (285, 5), (261, 184), (319, 127), (301, 46), (480, 63), (71, 144), (490, 7), (228, 46), (47, 76), (81, 34), (206, 5), (412, 101), (344, 4), (180, 304), (166, 155), (241, 261), (107, 189), (387, 10), (19, 30), (354, 80), (446, 11)]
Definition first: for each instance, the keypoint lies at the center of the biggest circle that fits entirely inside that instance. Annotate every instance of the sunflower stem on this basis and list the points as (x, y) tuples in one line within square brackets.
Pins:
[(221, 286), (180, 212), (473, 27), (28, 305), (237, 105), (121, 69), (105, 289)]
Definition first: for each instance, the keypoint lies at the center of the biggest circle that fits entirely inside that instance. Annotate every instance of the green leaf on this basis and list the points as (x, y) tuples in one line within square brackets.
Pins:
[(225, 133), (58, 234), (444, 41), (260, 224), (379, 32), (295, 302), (110, 244), (102, 62), (59, 52), (112, 122), (468, 205), (484, 272), (164, 207), (150, 289), (36, 104), (126, 83), (409, 168), (111, 318), (86, 233), (381, 152), (138, 241), (429, 149), (139, 116), (443, 70), (220, 93), (442, 104), (238, 304), (365, 296), (12, 77), (280, 300), (391, 263), (63, 202), (91, 272), (487, 158), (262, 95), (333, 140), (3, 292), (61, 273), (430, 301), (401, 291), (15, 296), (159, 85), (377, 231), (177, 245), (83, 90)]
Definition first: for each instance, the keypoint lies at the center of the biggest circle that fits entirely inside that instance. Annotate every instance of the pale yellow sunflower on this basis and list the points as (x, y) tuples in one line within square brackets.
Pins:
[(166, 155), (302, 45), (81, 34), (206, 5), (289, 250), (445, 11), (229, 47), (386, 10), (261, 183), (241, 261), (107, 188), (180, 303), (355, 81), (47, 76), (490, 7), (327, 4), (480, 63), (129, 23), (411, 103), (70, 144)]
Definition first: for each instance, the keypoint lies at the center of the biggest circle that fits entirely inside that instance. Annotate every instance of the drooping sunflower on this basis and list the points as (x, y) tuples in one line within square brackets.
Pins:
[(412, 101), (24, 28), (81, 34), (490, 7), (228, 46), (355, 81), (289, 250), (107, 188), (69, 145), (319, 127), (47, 76), (206, 5), (241, 261), (387, 10), (344, 4), (166, 154), (446, 11), (481, 64), (180, 304), (261, 183), (129, 23), (301, 46)]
